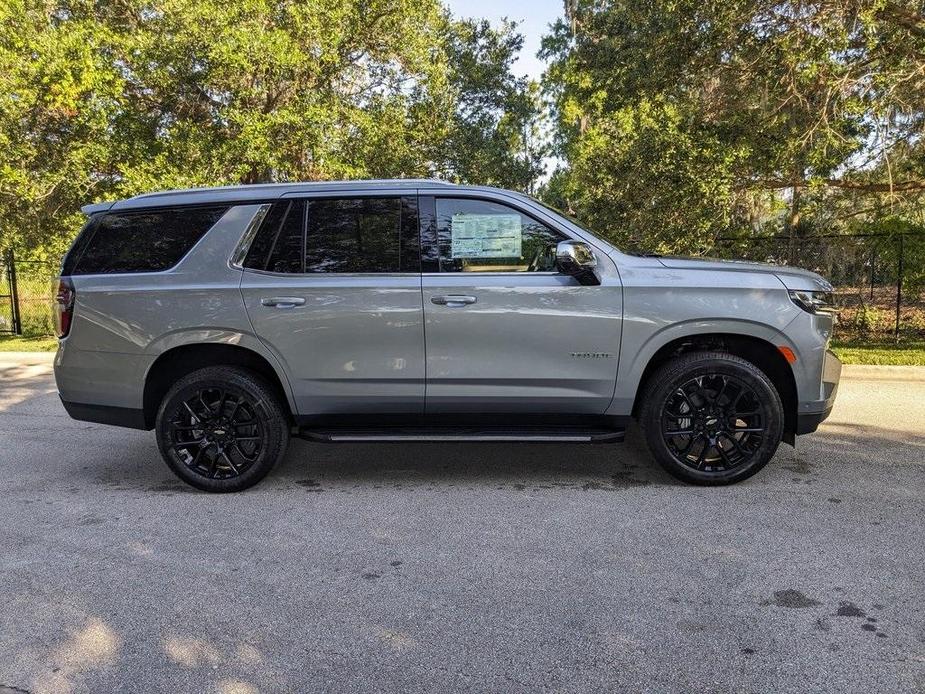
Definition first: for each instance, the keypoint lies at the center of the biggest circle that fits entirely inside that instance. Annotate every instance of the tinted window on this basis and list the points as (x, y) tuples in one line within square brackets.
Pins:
[(354, 235), (80, 244), (482, 236), (265, 238), (338, 235), (287, 247), (146, 241)]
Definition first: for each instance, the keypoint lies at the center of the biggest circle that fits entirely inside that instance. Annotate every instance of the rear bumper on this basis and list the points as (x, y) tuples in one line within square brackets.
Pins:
[(104, 414), (819, 410)]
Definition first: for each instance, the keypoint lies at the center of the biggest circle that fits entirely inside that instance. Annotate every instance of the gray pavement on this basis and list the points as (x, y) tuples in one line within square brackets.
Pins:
[(477, 567)]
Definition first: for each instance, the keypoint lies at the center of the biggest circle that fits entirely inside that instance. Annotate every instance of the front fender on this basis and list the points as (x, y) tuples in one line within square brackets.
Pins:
[(642, 348)]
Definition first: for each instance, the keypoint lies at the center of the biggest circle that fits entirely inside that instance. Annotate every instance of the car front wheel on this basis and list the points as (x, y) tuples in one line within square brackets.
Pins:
[(711, 418), (221, 429)]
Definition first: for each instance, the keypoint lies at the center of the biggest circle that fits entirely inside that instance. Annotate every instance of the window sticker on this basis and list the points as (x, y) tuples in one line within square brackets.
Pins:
[(486, 236)]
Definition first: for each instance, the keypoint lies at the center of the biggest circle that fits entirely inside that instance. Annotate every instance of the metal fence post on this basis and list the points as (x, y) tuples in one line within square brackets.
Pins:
[(899, 287), (14, 293)]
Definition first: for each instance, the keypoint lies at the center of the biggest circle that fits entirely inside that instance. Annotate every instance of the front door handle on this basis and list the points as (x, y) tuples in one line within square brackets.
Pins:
[(283, 301), (453, 300)]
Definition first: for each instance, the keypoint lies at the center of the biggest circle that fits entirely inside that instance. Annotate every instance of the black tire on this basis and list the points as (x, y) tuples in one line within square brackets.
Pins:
[(222, 429), (730, 409)]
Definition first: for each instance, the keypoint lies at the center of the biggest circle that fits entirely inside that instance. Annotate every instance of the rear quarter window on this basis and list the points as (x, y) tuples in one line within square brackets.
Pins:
[(143, 241)]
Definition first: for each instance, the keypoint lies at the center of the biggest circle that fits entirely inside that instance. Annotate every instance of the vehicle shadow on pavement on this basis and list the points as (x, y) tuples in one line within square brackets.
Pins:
[(482, 464), (316, 467)]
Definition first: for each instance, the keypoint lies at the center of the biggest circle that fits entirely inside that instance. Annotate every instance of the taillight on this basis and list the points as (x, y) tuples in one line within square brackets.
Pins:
[(64, 306)]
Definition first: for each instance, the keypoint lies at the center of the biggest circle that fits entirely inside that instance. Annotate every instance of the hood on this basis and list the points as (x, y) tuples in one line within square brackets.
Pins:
[(791, 277)]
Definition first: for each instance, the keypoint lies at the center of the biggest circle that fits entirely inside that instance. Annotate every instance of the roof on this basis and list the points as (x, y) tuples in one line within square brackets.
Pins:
[(266, 191)]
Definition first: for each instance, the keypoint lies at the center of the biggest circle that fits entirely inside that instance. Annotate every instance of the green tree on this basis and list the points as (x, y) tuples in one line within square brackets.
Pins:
[(496, 137), (102, 100), (697, 115)]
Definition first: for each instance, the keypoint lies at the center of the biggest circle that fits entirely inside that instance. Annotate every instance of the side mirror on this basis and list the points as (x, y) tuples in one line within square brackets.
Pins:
[(576, 258)]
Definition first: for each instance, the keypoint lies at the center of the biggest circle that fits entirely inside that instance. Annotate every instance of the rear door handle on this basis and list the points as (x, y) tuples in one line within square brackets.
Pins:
[(283, 301), (453, 300)]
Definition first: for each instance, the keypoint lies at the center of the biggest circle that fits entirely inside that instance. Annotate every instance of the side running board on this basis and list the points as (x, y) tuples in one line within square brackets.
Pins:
[(528, 434)]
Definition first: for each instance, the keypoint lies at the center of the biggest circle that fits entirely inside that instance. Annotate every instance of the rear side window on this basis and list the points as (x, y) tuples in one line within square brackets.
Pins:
[(338, 235), (145, 241), (279, 245)]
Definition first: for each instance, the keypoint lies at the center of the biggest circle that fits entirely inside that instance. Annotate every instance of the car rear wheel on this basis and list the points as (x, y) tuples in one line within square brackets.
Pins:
[(711, 418), (222, 429)]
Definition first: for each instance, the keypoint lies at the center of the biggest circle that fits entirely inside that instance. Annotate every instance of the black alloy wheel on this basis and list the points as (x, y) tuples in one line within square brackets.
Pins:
[(216, 433), (222, 429), (713, 422), (711, 418)]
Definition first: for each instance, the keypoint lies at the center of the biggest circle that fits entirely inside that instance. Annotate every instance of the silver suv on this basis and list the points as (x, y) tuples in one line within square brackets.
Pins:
[(230, 319)]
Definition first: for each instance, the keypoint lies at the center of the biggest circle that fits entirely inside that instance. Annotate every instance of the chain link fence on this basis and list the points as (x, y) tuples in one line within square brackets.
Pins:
[(879, 278), (25, 296)]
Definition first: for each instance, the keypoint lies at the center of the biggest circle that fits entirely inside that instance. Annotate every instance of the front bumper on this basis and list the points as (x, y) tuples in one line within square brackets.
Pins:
[(808, 422)]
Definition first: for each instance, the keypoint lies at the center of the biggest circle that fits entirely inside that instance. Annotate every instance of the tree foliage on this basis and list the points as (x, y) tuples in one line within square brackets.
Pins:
[(108, 99), (722, 117)]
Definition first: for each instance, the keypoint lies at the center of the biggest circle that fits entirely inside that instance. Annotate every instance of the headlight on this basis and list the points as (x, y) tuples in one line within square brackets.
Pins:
[(813, 302)]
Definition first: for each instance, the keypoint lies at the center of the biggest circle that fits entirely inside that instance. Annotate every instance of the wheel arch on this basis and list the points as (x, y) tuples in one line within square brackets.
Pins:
[(180, 360), (756, 350)]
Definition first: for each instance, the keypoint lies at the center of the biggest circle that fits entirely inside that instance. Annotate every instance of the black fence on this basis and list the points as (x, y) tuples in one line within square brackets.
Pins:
[(878, 278), (879, 282), (25, 296)]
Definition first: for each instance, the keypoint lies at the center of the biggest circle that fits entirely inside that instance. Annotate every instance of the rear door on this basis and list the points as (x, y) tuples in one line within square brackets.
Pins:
[(505, 332), (332, 285)]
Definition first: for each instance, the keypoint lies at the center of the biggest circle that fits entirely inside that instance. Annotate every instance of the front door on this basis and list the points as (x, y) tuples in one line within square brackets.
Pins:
[(333, 287), (505, 332)]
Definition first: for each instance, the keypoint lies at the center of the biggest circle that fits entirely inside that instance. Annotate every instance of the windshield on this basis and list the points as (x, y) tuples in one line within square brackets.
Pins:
[(562, 213)]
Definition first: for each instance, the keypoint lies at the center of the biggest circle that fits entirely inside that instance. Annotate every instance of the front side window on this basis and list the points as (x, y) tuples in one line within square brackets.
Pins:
[(483, 236), (338, 235), (145, 241)]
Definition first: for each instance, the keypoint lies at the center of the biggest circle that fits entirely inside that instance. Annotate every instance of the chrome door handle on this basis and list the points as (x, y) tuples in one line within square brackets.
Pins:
[(453, 300), (283, 301)]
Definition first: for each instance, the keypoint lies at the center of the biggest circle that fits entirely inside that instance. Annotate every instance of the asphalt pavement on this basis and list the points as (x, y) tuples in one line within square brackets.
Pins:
[(463, 567)]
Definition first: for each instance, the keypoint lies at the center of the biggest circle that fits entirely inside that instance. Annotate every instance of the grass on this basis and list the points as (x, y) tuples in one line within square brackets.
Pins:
[(14, 343), (903, 354)]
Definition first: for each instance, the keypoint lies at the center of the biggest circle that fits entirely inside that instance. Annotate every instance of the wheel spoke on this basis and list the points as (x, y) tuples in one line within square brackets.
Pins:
[(722, 389), (690, 444), (703, 453), (723, 455), (228, 460), (735, 444), (189, 409), (187, 444), (198, 455), (241, 453)]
